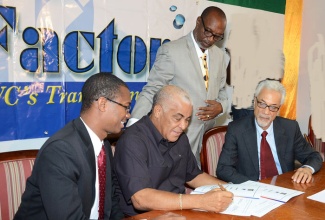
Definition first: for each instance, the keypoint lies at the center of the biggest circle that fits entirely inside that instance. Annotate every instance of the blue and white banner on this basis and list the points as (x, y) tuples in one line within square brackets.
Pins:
[(48, 48)]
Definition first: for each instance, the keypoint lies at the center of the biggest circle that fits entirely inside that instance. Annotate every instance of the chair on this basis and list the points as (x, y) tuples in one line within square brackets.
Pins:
[(15, 168), (317, 143), (213, 140)]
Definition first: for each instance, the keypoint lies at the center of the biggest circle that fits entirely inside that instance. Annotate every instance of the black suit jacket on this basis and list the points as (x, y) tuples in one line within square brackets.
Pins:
[(62, 183), (238, 160)]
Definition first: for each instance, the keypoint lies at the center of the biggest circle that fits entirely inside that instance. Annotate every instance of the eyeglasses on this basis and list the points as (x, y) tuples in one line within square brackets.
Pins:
[(208, 33), (263, 105), (127, 108)]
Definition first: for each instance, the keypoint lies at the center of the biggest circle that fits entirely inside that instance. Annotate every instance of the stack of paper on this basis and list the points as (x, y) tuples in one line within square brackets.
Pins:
[(253, 198)]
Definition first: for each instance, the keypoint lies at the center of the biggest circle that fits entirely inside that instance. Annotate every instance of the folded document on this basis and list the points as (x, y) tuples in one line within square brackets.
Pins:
[(253, 198)]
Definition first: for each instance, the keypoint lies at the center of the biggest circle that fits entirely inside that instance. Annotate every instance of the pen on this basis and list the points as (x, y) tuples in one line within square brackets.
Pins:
[(221, 187), (272, 199)]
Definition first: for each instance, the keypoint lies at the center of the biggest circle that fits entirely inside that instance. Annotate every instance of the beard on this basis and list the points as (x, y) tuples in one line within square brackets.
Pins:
[(264, 121)]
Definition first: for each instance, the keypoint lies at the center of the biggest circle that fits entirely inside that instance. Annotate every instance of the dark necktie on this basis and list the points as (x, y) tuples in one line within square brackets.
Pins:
[(206, 72), (268, 168), (102, 181)]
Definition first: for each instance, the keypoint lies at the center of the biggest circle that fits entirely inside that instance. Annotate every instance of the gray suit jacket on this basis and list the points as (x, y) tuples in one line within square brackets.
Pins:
[(177, 64), (62, 184), (238, 160)]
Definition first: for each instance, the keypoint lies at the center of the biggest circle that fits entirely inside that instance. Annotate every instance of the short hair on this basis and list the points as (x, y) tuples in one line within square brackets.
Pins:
[(100, 85), (213, 9), (273, 85), (168, 93)]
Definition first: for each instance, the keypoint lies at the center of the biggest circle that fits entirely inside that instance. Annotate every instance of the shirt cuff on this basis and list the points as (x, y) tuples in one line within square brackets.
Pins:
[(131, 121), (303, 166)]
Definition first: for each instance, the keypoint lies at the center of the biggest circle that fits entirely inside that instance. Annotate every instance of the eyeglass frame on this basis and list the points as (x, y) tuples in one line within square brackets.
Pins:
[(210, 34), (127, 108), (263, 105)]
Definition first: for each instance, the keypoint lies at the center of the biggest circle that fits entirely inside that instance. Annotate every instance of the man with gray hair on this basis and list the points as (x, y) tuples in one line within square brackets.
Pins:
[(153, 160), (265, 145)]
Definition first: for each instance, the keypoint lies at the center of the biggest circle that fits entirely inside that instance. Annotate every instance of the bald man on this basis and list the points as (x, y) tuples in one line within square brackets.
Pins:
[(180, 63), (153, 160)]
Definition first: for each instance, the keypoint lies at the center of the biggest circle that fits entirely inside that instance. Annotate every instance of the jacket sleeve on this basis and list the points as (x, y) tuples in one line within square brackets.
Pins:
[(226, 168), (58, 182), (305, 154), (160, 75)]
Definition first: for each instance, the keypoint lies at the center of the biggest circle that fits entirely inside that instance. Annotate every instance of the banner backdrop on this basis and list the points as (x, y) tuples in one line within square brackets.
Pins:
[(48, 48)]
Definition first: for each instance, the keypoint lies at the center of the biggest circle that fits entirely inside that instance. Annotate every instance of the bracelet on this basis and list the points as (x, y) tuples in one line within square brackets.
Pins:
[(180, 202)]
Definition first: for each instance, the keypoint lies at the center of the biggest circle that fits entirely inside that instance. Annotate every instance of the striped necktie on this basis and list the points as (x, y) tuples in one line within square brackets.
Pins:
[(102, 181), (206, 71)]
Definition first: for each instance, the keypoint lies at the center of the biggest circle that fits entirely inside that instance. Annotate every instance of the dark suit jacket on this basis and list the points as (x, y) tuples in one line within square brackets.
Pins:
[(238, 160), (62, 183)]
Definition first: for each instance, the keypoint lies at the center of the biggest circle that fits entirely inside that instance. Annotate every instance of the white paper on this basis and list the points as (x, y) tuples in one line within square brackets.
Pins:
[(320, 196), (253, 198)]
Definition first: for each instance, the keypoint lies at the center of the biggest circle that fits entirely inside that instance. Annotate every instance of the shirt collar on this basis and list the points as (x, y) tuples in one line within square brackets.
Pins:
[(96, 142), (197, 48), (159, 139)]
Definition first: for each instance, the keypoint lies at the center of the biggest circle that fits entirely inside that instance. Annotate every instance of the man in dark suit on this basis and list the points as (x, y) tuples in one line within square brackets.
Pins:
[(65, 183), (240, 158)]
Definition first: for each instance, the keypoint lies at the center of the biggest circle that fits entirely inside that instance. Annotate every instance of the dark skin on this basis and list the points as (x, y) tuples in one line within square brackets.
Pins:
[(215, 22)]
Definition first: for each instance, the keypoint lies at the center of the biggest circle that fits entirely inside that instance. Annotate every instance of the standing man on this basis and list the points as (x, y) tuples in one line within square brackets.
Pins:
[(265, 145), (153, 160), (181, 63), (68, 179)]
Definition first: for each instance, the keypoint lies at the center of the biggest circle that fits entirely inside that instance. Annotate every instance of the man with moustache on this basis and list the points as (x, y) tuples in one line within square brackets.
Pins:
[(180, 63), (153, 161), (242, 159)]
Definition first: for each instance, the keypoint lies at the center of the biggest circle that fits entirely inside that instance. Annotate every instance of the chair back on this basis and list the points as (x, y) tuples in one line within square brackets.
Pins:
[(317, 143), (15, 168), (213, 141)]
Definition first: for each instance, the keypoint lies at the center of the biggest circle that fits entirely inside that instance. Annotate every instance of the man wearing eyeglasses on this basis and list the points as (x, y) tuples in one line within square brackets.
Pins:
[(180, 63), (265, 145), (73, 176)]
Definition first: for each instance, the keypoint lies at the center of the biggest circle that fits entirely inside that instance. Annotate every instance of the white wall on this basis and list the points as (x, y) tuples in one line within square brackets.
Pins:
[(312, 28)]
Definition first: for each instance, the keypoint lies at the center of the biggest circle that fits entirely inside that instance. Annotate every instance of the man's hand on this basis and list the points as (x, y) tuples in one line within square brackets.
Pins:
[(302, 175), (216, 200), (210, 111)]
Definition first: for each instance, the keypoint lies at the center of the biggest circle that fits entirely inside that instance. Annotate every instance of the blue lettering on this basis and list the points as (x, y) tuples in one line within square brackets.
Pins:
[(9, 15), (140, 55), (29, 57), (124, 54), (71, 56), (50, 43), (107, 37)]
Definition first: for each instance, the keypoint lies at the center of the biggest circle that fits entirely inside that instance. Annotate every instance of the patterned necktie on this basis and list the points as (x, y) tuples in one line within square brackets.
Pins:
[(102, 181), (268, 168), (206, 72)]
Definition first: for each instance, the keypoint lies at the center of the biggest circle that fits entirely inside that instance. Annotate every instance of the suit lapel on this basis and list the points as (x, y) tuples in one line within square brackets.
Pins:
[(87, 147), (280, 142), (249, 137), (214, 58), (194, 59)]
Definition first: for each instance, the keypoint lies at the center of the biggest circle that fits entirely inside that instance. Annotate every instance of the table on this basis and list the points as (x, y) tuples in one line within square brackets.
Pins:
[(296, 208)]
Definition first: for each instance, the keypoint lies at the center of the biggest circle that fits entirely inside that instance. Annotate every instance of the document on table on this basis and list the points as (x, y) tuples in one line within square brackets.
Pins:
[(319, 197), (253, 198)]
